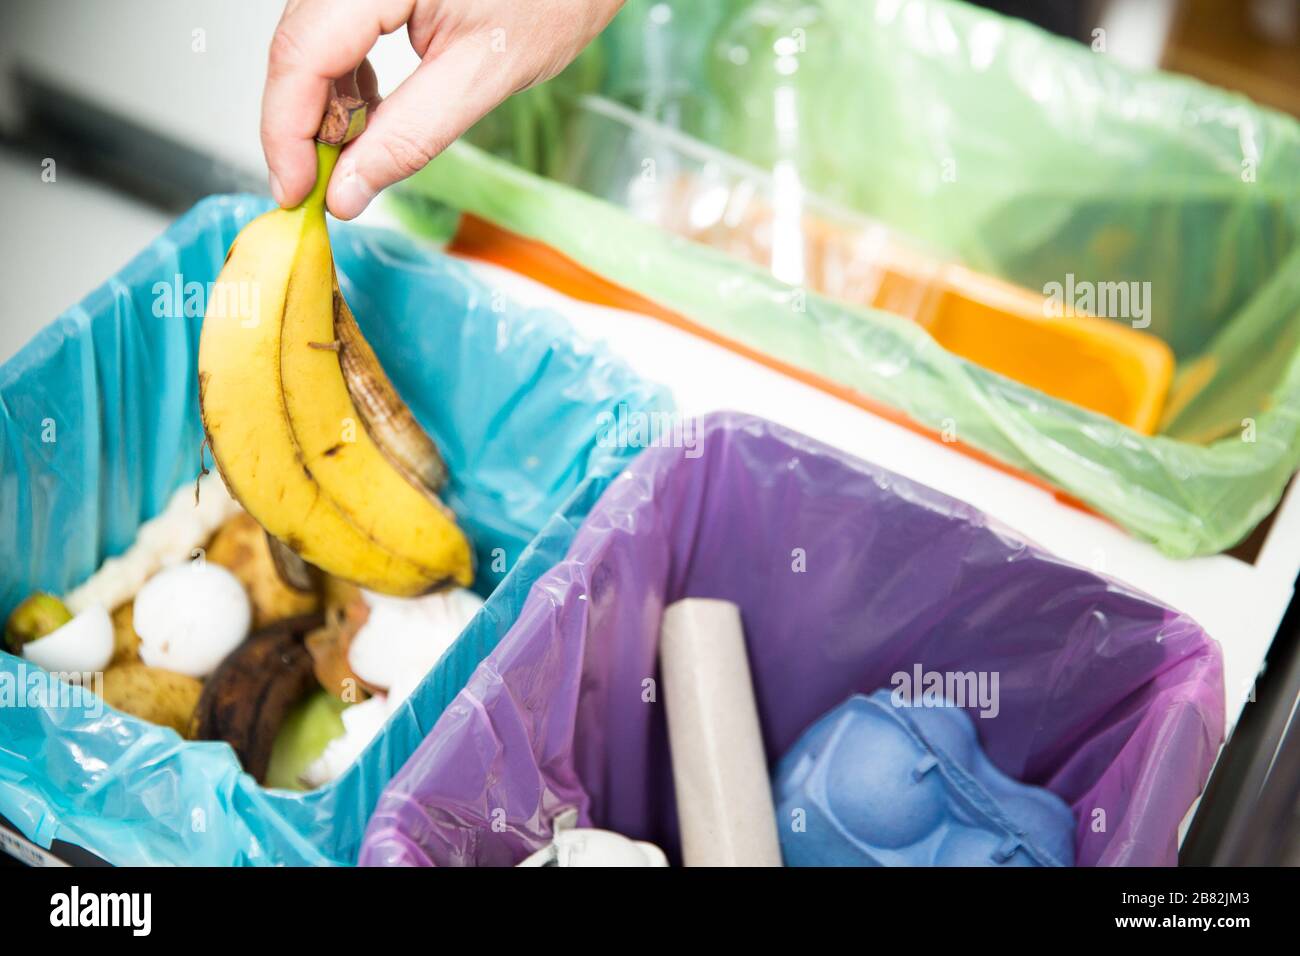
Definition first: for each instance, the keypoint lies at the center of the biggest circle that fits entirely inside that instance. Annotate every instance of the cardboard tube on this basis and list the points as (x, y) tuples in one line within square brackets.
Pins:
[(724, 795)]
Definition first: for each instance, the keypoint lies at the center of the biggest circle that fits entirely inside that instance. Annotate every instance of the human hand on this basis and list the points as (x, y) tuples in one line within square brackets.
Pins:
[(473, 54)]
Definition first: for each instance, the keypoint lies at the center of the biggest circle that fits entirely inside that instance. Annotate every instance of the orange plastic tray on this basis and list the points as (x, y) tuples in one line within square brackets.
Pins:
[(1101, 365)]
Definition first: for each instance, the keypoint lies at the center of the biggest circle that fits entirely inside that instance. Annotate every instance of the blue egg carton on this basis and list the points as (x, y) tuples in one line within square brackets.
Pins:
[(875, 784)]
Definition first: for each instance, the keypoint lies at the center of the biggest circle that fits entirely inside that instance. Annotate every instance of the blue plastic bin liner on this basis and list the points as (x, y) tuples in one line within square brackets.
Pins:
[(99, 425), (883, 785)]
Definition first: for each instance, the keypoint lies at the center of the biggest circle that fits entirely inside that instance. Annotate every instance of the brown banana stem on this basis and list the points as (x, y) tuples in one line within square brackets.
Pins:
[(345, 118)]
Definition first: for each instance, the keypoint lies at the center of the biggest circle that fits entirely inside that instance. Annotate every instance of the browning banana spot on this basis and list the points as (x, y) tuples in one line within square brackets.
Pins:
[(203, 469)]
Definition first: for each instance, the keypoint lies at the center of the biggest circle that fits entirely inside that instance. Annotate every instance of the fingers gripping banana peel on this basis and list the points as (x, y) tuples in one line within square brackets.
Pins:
[(345, 483)]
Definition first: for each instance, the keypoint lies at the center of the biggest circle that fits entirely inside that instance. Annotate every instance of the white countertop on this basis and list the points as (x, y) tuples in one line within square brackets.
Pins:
[(60, 240)]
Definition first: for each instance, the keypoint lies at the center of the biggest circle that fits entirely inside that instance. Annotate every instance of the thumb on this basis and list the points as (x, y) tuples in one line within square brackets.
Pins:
[(444, 97)]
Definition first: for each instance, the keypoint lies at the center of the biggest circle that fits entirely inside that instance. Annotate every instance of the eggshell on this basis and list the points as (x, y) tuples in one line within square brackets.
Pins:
[(190, 616), (82, 645), (406, 636)]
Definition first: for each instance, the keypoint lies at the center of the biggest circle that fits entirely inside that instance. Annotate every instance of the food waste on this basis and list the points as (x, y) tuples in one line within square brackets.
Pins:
[(291, 605), (220, 646)]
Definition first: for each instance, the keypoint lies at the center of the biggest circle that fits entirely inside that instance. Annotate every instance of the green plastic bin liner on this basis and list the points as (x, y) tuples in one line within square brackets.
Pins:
[(512, 396), (1019, 154)]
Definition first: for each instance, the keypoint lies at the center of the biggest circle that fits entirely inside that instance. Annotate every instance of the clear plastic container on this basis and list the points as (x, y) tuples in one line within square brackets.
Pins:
[(674, 181)]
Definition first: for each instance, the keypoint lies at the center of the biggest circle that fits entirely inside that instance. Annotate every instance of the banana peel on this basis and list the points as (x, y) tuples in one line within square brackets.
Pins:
[(306, 430), (388, 419), (246, 700)]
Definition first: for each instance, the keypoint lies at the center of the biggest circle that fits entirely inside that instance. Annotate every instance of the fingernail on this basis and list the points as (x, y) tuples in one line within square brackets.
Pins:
[(277, 191), (350, 194)]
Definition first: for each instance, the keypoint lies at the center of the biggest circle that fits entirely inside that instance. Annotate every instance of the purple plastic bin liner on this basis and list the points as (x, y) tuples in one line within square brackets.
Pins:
[(846, 575)]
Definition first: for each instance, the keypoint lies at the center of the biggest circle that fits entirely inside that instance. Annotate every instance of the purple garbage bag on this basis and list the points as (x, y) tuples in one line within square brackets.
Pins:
[(846, 576)]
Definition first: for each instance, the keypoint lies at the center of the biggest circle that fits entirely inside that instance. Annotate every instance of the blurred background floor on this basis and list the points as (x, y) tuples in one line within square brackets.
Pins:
[(74, 232)]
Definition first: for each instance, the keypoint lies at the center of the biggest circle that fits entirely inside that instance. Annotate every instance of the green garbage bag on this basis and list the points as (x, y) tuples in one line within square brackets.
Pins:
[(1017, 153)]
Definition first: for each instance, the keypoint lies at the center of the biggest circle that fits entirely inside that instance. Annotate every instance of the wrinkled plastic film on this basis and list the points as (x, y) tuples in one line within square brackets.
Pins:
[(1107, 698), (974, 137), (513, 400), (1020, 153), (772, 220)]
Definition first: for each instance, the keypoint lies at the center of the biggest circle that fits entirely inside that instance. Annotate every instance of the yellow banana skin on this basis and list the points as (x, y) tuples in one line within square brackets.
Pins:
[(286, 437), (336, 446)]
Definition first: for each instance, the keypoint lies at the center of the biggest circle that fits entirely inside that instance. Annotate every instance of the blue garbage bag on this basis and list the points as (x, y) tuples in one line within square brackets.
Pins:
[(99, 425)]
